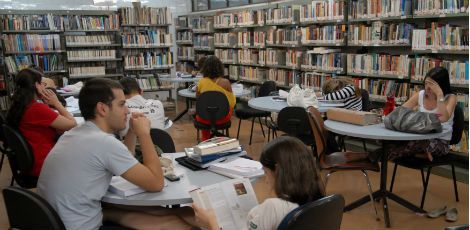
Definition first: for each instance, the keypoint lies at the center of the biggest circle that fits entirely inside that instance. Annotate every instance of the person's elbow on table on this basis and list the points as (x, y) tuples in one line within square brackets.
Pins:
[(144, 178)]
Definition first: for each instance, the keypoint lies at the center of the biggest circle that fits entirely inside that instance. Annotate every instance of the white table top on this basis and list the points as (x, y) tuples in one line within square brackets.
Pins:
[(174, 193), (180, 79), (271, 105), (192, 94), (377, 132)]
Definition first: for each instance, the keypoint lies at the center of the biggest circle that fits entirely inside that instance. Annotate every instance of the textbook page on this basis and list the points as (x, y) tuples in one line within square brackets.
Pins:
[(231, 201)]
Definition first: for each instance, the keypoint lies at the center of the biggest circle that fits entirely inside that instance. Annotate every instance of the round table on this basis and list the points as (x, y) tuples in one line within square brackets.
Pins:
[(174, 192), (180, 79), (191, 94), (379, 132), (270, 104)]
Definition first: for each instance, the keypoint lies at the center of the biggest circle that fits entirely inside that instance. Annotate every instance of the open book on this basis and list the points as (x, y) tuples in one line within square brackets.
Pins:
[(123, 187), (231, 201)]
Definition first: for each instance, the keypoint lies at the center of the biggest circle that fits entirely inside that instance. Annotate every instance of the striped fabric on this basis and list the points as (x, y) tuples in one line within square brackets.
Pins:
[(348, 96)]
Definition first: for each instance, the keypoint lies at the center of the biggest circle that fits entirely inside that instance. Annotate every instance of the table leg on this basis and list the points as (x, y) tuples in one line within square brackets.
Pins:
[(182, 113)]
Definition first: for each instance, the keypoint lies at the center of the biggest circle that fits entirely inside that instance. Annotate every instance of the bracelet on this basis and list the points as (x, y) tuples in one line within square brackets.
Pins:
[(441, 99)]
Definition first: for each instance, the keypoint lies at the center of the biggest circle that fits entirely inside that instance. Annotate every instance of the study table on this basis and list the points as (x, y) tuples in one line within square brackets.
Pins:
[(270, 104), (379, 132), (174, 192), (184, 79)]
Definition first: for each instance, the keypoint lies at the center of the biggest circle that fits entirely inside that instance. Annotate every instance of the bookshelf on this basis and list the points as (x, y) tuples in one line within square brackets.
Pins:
[(203, 35), (184, 43)]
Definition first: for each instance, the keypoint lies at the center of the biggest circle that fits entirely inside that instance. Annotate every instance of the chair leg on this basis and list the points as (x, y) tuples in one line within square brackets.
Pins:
[(426, 182), (261, 125), (455, 183), (393, 177), (327, 177), (364, 145), (12, 180), (252, 125), (370, 193), (227, 133), (1, 161), (422, 177), (197, 136), (239, 123)]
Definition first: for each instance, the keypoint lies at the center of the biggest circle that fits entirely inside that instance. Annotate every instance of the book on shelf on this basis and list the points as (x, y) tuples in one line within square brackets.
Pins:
[(148, 60), (441, 37), (122, 187), (157, 37), (48, 62), (458, 70), (89, 40), (380, 33), (202, 24), (82, 22), (144, 15), (379, 64), (31, 42), (231, 201), (431, 7), (369, 9), (76, 55), (238, 167), (283, 14), (13, 22), (330, 34), (322, 10), (216, 144)]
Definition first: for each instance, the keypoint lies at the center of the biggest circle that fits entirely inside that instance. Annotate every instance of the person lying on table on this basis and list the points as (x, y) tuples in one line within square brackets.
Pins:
[(78, 171), (343, 89)]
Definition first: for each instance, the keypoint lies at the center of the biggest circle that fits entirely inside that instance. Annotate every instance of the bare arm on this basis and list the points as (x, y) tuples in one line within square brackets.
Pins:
[(65, 120), (446, 108), (412, 102), (148, 175), (224, 83)]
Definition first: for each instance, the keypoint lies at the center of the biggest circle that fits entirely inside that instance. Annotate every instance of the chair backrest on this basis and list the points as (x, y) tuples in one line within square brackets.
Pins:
[(325, 214), (3, 139), (266, 88), (28, 210), (458, 125), (365, 100), (318, 128), (212, 106), (294, 121), (20, 147), (163, 140)]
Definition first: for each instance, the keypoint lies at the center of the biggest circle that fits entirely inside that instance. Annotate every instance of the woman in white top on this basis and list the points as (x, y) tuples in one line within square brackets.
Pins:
[(435, 98), (292, 177)]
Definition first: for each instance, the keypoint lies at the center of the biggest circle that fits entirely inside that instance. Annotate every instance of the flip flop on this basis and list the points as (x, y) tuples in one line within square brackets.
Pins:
[(452, 215), (438, 212), (459, 227)]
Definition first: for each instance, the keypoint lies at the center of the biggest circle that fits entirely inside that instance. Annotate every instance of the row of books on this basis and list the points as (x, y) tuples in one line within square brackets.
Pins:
[(288, 36), (332, 61), (49, 62), (333, 34), (185, 52), (184, 36), (379, 89), (272, 57), (248, 73), (147, 38), (150, 83), (458, 70), (227, 55), (226, 39), (366, 9), (206, 41), (379, 64), (241, 39), (322, 10), (145, 15), (283, 14), (282, 77), (293, 58), (74, 55), (313, 80), (380, 33), (148, 60), (31, 42), (184, 67), (182, 21), (202, 24), (90, 39), (437, 7), (32, 22), (248, 56), (80, 22), (440, 36), (86, 71), (242, 18), (224, 20)]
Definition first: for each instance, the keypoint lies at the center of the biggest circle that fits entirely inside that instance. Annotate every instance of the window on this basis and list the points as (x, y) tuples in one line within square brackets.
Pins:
[(218, 4), (199, 5), (237, 2)]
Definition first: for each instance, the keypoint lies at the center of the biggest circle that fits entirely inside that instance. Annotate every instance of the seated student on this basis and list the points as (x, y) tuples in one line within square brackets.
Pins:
[(292, 177), (153, 109), (437, 97), (343, 89), (200, 64), (213, 80), (77, 172), (38, 123)]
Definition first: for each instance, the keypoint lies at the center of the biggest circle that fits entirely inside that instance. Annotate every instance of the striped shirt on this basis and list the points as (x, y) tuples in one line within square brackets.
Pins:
[(348, 96)]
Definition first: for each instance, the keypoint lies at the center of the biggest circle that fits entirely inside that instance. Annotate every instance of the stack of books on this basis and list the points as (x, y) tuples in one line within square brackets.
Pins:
[(214, 150)]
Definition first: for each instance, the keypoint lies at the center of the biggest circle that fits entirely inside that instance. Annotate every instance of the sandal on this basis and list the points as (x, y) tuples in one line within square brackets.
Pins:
[(438, 212), (452, 215)]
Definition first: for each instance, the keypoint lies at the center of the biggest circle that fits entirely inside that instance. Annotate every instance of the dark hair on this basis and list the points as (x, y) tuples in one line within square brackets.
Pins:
[(200, 62), (25, 90), (96, 90), (441, 76), (297, 177), (212, 68), (130, 85)]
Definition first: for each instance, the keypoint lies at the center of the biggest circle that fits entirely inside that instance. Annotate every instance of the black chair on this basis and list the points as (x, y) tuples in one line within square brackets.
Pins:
[(28, 210), (421, 164), (243, 111), (365, 100), (3, 144), (294, 122), (21, 158), (323, 214), (163, 140), (212, 106)]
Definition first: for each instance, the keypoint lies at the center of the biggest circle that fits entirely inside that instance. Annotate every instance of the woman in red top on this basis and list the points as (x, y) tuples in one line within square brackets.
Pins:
[(38, 123)]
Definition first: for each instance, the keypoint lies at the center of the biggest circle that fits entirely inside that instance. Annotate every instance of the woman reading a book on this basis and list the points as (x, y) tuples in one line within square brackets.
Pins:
[(436, 98), (292, 178), (342, 89), (38, 123), (213, 80)]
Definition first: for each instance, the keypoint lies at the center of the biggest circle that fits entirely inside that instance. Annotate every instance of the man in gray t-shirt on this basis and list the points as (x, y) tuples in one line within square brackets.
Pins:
[(78, 170)]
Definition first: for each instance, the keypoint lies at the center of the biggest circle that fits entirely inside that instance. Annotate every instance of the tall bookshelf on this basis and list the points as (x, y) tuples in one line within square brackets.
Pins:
[(92, 42), (203, 36), (386, 49), (184, 43)]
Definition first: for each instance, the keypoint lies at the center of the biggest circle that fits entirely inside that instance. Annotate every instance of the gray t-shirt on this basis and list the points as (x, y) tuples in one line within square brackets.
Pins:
[(77, 172)]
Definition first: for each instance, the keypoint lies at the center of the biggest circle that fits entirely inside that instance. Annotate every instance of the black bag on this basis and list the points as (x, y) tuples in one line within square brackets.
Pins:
[(407, 120)]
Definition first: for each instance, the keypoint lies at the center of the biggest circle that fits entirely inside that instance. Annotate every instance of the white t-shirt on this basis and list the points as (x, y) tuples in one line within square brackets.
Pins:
[(77, 172), (269, 214), (153, 110)]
